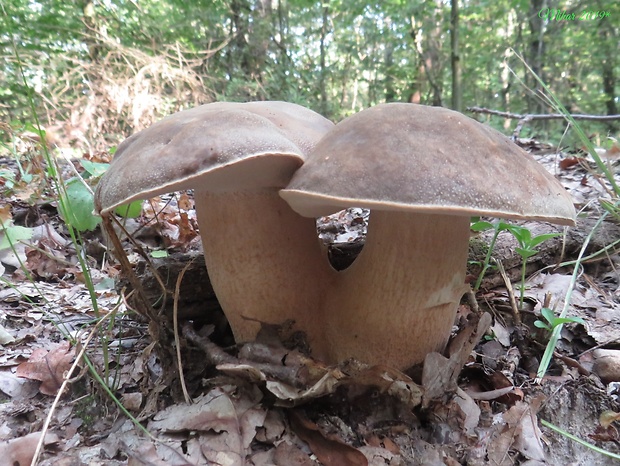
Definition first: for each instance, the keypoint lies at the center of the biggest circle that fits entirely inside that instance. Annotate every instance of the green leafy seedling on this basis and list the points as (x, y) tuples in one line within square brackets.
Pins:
[(479, 226), (551, 321), (526, 249)]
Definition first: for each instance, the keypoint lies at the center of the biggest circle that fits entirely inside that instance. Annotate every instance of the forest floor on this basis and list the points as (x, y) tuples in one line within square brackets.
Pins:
[(213, 403)]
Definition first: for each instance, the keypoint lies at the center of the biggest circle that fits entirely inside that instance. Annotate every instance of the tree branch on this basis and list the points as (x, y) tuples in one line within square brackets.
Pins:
[(526, 118)]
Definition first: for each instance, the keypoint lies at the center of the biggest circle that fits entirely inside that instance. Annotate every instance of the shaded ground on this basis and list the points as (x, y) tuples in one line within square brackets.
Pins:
[(267, 403)]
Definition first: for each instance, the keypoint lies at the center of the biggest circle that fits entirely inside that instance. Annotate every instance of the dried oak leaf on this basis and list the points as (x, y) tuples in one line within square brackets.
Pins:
[(21, 450), (223, 424), (520, 432), (330, 450), (48, 367)]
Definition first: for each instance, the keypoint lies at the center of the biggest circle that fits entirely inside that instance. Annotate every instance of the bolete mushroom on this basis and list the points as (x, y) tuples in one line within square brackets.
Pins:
[(260, 254), (422, 172)]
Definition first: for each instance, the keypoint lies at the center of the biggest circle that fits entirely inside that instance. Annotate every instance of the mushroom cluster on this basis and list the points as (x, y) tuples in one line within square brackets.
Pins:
[(262, 172)]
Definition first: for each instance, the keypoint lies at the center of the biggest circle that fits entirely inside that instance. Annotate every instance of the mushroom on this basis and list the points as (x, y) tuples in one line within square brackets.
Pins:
[(422, 172), (260, 254)]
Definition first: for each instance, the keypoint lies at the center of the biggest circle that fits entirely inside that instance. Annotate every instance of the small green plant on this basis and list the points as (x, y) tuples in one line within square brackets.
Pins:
[(526, 249), (550, 321), (8, 179), (27, 162), (479, 226), (77, 201)]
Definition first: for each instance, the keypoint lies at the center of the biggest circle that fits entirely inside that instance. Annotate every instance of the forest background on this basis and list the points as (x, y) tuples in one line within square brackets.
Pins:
[(98, 71)]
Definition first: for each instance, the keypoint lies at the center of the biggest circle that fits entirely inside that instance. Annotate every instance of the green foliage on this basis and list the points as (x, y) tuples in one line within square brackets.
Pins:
[(526, 249), (131, 210), (116, 66), (551, 321), (479, 226), (527, 243), (8, 179), (12, 234), (77, 202), (94, 169), (78, 206)]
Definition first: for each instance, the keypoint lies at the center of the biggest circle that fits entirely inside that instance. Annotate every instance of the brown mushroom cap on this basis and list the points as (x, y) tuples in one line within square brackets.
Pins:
[(223, 144), (425, 159)]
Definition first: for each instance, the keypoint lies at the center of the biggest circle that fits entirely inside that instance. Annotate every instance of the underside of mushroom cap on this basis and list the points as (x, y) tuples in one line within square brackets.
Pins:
[(225, 146), (411, 157)]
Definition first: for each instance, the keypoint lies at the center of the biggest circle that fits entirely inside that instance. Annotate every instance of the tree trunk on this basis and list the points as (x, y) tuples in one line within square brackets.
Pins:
[(536, 53), (89, 17), (388, 80), (323, 62), (426, 35), (236, 57), (608, 69), (259, 39), (455, 60)]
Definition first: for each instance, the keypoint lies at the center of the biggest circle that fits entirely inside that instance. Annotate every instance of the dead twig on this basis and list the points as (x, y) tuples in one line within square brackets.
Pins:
[(471, 299), (511, 295), (143, 306), (175, 324), (546, 116), (526, 118)]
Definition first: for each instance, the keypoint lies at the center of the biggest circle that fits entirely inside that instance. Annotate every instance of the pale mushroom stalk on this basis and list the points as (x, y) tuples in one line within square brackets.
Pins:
[(264, 260), (415, 266)]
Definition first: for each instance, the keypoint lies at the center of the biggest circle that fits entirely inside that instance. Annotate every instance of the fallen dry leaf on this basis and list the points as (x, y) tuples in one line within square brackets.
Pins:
[(440, 374), (48, 366), (520, 433), (20, 451), (289, 455), (568, 162), (330, 451), (224, 425), (147, 455), (607, 417), (469, 410), (213, 411)]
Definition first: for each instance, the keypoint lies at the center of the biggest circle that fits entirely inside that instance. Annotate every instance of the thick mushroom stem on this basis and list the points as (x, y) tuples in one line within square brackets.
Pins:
[(398, 300), (264, 260)]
